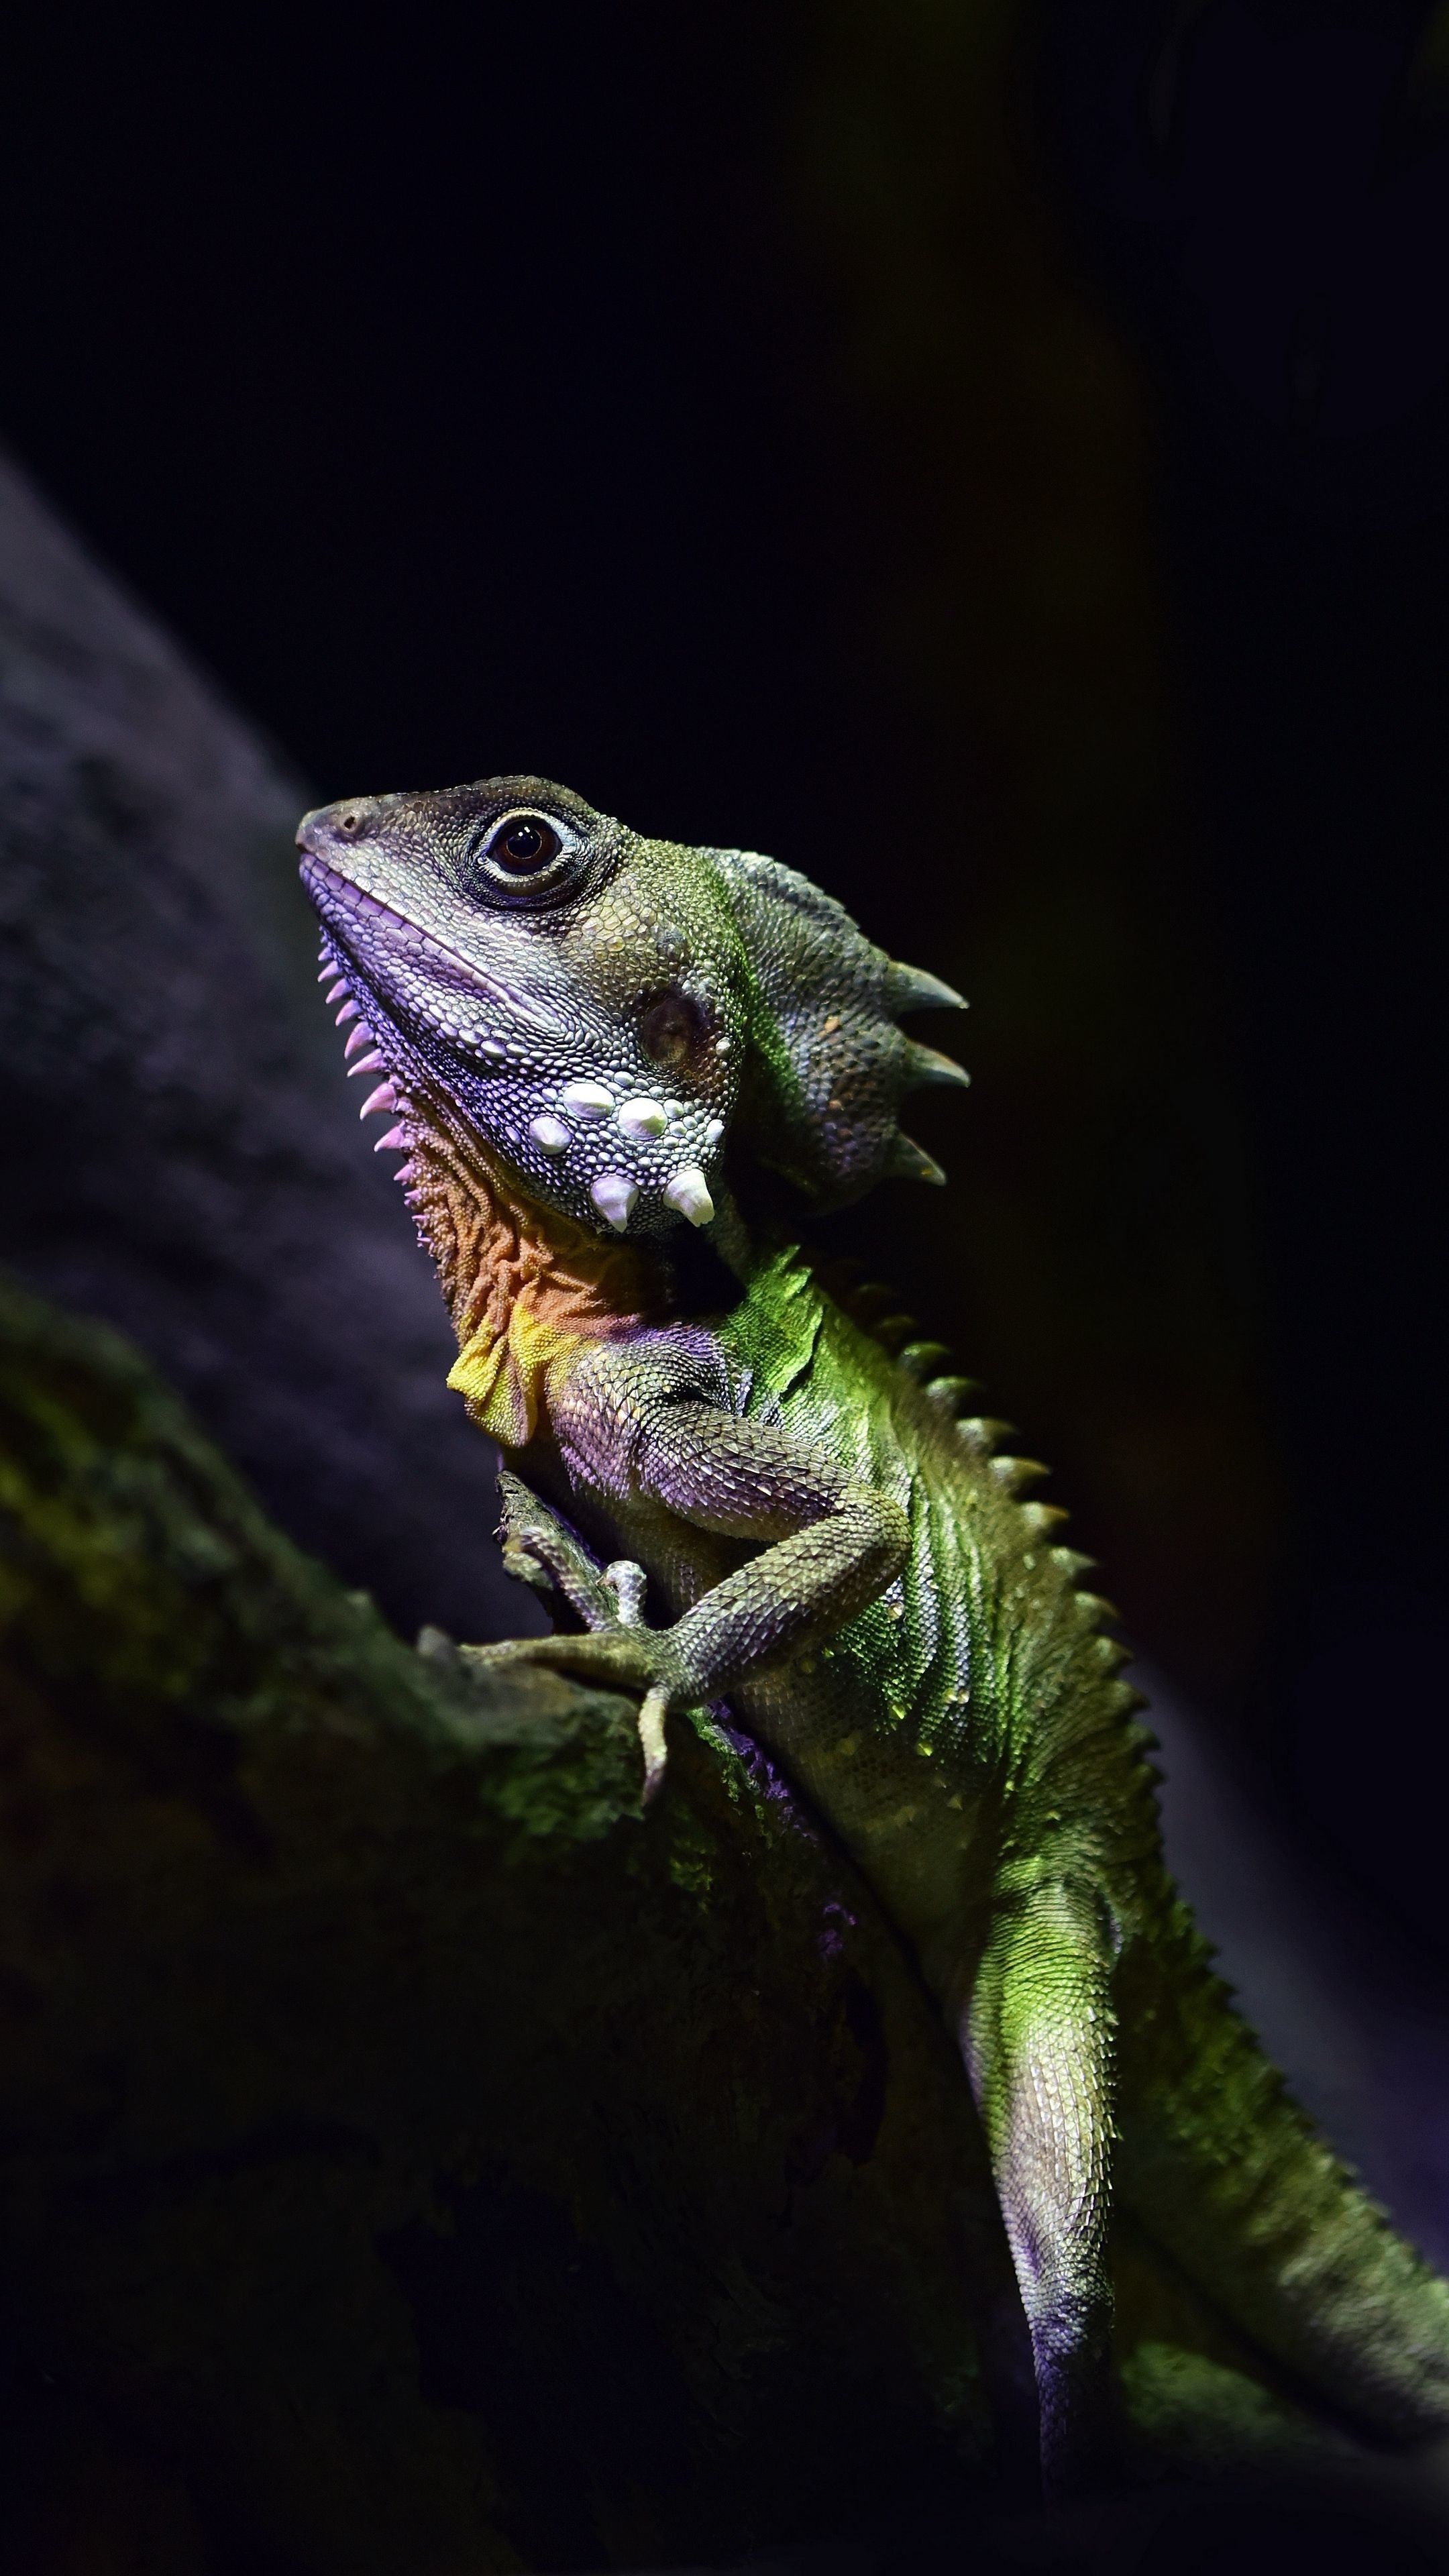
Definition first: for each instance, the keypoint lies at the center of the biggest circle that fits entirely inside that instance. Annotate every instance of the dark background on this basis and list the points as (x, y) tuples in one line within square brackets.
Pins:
[(996, 459)]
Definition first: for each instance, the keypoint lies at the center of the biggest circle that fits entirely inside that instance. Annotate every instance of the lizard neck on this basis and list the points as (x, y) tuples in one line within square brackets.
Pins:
[(524, 1285)]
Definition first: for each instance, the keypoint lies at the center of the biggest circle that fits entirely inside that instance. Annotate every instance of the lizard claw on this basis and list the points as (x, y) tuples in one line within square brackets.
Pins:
[(651, 1738)]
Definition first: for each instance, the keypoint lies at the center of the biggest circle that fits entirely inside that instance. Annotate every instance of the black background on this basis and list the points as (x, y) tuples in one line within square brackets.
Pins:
[(472, 393)]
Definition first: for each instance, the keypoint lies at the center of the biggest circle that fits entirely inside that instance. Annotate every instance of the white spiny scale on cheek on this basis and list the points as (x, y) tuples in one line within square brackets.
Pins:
[(550, 1135), (614, 1195), (688, 1192), (641, 1117), (586, 1101)]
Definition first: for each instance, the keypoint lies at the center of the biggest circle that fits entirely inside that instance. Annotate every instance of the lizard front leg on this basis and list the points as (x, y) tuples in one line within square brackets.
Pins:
[(541, 1552), (828, 1546), (1037, 2038)]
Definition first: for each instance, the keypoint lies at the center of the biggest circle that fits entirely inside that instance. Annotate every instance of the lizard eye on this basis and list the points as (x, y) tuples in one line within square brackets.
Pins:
[(525, 860), (523, 845)]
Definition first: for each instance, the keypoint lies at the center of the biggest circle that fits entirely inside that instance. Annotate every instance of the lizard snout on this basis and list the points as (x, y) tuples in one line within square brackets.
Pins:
[(331, 827)]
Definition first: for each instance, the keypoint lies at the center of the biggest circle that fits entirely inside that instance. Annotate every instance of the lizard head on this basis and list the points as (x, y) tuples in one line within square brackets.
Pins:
[(604, 1010)]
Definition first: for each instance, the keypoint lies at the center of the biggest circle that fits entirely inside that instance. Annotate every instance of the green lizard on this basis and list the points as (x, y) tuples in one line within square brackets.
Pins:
[(615, 1066)]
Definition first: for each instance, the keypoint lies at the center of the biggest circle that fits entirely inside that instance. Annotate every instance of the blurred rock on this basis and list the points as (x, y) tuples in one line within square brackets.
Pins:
[(182, 1152)]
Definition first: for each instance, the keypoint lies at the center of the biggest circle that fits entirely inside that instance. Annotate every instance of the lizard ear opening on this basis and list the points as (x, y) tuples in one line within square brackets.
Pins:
[(829, 1064)]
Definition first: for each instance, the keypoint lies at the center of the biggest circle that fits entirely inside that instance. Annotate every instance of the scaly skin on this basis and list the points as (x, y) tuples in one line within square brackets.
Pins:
[(822, 1537)]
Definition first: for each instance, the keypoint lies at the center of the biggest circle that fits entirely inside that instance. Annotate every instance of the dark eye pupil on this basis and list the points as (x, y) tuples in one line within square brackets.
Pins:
[(524, 845)]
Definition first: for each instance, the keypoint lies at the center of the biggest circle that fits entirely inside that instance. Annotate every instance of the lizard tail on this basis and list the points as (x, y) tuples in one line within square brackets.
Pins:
[(1229, 2175)]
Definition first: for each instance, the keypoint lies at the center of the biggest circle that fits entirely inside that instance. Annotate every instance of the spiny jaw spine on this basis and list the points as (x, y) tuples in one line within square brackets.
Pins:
[(387, 1095)]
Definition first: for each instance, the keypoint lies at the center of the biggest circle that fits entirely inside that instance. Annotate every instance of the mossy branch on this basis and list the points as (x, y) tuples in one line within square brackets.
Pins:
[(410, 2158)]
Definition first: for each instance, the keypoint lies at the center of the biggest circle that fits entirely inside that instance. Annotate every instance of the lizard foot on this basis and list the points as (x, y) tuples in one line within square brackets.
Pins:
[(624, 1656), (618, 1650)]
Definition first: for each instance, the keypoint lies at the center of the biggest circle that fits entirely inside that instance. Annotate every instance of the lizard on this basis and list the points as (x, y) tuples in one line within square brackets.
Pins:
[(621, 1072)]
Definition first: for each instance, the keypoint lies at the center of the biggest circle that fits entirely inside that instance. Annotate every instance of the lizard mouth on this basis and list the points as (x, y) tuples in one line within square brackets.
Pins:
[(365, 923)]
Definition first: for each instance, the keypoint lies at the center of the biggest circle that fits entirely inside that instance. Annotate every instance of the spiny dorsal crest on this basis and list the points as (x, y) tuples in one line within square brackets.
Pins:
[(834, 1064), (876, 1309)]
